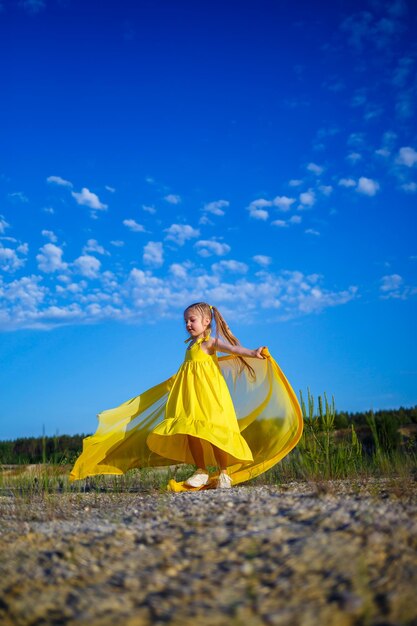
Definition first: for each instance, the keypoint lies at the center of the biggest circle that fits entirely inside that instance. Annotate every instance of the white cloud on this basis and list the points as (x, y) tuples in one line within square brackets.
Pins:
[(87, 265), (258, 214), (9, 259), (312, 231), (393, 286), (57, 180), (235, 267), (149, 292), (295, 182), (283, 202), (111, 189), (308, 198), (11, 239), (383, 152), (407, 156), (280, 223), (356, 139), (18, 196), (256, 210), (3, 225), (216, 208), (204, 220), (48, 209), (290, 293), (354, 157), (72, 288), (143, 297), (326, 190), (295, 219), (262, 260), (391, 282), (64, 278), (153, 253), (50, 258), (372, 111), (260, 203), (92, 245), (316, 169), (409, 187), (389, 139), (149, 209), (172, 198), (117, 243), (179, 270), (367, 186), (180, 233), (347, 182), (25, 291), (63, 314), (88, 198), (358, 100), (206, 248), (50, 235), (134, 226), (23, 248)]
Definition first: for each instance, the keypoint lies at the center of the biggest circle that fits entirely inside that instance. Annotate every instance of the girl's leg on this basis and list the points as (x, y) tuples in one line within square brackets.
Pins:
[(224, 480), (221, 458), (196, 450)]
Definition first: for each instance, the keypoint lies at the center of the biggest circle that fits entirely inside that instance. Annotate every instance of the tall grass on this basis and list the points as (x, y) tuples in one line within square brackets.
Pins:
[(49, 478), (319, 455)]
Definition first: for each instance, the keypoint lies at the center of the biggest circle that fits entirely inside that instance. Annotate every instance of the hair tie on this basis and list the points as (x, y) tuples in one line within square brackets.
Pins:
[(211, 308)]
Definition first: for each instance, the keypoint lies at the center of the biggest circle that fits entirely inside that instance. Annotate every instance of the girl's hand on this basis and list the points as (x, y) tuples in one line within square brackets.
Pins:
[(257, 353)]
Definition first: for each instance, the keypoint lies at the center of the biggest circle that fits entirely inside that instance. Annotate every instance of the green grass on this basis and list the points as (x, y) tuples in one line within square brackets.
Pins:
[(320, 456)]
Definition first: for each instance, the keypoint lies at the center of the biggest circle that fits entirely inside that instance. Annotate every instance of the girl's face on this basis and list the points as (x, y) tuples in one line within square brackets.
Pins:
[(195, 323)]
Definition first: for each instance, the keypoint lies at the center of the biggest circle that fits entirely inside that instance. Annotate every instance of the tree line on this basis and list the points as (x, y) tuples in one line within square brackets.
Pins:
[(64, 449), (60, 449)]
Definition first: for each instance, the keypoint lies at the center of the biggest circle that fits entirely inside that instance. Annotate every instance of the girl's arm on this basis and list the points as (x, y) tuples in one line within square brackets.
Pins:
[(220, 346)]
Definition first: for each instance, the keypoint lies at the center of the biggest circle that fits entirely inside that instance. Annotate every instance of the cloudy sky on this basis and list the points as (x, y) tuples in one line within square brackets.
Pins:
[(261, 156)]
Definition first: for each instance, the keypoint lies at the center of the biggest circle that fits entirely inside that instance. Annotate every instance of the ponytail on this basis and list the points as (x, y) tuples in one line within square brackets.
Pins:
[(222, 330)]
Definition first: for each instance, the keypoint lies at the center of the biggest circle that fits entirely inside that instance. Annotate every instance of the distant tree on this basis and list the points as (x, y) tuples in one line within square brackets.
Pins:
[(341, 420), (58, 449)]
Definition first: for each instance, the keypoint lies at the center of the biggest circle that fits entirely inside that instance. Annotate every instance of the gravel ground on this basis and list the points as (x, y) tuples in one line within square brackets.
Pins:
[(336, 553)]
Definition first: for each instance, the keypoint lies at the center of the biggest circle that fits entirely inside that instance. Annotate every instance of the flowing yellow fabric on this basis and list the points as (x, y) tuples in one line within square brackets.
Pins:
[(257, 422)]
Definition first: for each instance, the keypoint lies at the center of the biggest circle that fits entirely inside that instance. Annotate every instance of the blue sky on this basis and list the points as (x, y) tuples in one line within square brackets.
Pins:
[(261, 156)]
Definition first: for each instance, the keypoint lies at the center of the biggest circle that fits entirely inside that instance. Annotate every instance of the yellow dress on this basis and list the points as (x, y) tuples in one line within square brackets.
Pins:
[(199, 404), (257, 422)]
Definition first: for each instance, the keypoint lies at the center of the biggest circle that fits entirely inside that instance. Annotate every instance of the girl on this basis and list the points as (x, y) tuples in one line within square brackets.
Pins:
[(200, 419), (241, 417)]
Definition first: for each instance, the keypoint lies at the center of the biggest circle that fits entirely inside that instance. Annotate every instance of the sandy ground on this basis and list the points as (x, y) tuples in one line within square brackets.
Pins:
[(335, 553)]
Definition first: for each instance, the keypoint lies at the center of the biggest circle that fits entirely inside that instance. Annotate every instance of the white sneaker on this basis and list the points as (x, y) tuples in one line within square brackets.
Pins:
[(198, 479), (224, 481)]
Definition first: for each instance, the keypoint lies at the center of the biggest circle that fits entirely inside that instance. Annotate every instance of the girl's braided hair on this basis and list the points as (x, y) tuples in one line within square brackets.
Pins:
[(222, 330)]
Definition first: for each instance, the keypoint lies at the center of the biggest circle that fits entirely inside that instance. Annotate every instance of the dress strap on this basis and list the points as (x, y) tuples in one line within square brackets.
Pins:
[(206, 338)]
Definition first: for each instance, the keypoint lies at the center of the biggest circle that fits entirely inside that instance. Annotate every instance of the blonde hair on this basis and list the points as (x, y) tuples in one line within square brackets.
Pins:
[(222, 330)]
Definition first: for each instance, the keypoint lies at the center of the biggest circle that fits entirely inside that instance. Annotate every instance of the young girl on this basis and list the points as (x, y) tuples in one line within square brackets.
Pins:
[(200, 419), (224, 412)]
